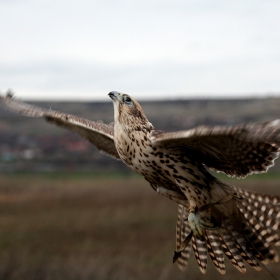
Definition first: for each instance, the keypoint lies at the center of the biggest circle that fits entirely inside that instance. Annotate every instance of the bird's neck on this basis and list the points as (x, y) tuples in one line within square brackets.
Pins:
[(130, 125), (132, 143)]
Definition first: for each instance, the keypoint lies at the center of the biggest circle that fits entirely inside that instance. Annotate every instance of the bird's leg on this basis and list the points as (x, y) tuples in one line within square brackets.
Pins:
[(196, 229), (195, 222), (198, 223)]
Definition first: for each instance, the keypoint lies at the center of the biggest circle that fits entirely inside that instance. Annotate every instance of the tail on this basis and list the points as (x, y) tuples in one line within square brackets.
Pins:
[(254, 243)]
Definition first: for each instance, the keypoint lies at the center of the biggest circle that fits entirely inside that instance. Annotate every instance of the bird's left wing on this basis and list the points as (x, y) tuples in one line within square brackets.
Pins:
[(99, 134), (235, 150)]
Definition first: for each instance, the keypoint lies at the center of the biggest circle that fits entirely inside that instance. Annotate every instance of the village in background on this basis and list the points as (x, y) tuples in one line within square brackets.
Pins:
[(31, 144)]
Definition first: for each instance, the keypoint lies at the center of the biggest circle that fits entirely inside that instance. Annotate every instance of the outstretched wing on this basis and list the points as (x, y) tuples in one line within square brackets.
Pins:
[(235, 150), (99, 134)]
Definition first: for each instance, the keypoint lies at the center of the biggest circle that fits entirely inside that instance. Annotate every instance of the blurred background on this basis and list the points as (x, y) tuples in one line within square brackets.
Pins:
[(69, 212)]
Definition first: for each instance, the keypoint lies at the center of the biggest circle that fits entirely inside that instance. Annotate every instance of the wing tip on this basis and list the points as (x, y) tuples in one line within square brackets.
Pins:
[(8, 95)]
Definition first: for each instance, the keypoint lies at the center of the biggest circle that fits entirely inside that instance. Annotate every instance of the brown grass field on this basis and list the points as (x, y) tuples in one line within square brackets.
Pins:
[(91, 227)]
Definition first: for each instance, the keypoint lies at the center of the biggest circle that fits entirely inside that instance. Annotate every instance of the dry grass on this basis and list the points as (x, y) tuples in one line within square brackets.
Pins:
[(94, 228)]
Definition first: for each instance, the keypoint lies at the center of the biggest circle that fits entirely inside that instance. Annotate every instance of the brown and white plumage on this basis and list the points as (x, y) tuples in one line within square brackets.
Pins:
[(99, 134), (214, 219)]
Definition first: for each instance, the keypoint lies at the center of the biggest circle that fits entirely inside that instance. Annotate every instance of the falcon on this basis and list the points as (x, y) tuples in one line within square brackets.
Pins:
[(214, 218)]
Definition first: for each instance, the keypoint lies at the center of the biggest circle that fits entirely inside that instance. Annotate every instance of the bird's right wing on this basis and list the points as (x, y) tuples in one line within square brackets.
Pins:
[(101, 135)]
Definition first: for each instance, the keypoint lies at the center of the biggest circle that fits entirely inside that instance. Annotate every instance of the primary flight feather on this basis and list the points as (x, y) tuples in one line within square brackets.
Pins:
[(214, 218)]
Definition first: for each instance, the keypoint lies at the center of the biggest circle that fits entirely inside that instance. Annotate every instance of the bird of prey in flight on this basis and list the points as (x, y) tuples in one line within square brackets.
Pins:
[(214, 218)]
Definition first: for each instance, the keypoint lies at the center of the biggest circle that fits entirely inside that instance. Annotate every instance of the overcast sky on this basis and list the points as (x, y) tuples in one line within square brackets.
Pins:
[(82, 49)]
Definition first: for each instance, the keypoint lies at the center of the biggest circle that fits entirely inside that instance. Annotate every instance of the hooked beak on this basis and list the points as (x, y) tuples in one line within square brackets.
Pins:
[(114, 95)]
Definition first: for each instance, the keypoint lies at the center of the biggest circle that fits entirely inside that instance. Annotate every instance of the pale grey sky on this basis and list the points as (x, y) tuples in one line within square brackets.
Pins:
[(82, 49)]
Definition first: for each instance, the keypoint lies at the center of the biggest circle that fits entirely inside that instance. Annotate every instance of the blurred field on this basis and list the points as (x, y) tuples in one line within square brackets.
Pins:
[(89, 227)]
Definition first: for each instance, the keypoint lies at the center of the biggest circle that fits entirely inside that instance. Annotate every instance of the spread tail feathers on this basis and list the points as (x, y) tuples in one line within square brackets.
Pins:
[(254, 243)]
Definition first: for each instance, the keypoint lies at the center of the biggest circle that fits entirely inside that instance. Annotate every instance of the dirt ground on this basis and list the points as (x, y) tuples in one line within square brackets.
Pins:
[(91, 227)]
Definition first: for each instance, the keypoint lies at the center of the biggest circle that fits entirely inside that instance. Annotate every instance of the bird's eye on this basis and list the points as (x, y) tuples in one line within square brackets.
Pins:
[(127, 100)]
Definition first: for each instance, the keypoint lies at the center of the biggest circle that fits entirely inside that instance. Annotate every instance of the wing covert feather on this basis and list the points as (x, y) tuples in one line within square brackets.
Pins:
[(99, 134), (235, 150)]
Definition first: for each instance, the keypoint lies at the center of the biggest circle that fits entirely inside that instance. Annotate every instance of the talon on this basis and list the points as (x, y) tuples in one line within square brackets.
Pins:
[(206, 224), (212, 224), (198, 224)]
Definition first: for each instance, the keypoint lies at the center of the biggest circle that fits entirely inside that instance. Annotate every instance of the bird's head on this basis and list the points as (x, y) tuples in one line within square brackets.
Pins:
[(128, 112)]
